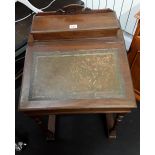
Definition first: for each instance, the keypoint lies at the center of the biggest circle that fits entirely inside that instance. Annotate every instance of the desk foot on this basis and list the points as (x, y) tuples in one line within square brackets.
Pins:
[(50, 136), (112, 123)]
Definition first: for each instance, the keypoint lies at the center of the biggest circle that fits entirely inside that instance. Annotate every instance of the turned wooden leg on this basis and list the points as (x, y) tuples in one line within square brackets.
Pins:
[(48, 131), (112, 122), (51, 127)]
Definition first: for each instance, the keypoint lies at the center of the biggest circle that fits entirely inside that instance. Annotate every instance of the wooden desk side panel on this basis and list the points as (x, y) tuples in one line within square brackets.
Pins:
[(129, 102)]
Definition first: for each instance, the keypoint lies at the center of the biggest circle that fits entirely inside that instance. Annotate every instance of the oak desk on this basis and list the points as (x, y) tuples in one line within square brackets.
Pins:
[(76, 63)]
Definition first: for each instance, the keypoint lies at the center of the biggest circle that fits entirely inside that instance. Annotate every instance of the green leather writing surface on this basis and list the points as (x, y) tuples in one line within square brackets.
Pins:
[(83, 74)]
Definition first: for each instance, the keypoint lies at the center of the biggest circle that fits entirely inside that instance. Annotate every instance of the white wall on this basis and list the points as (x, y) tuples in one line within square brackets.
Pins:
[(101, 4)]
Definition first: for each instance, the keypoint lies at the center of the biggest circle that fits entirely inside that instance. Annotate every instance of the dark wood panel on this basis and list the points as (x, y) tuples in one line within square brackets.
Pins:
[(135, 71), (134, 60)]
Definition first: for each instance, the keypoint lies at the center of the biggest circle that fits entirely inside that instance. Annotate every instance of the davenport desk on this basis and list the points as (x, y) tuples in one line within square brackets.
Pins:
[(76, 63)]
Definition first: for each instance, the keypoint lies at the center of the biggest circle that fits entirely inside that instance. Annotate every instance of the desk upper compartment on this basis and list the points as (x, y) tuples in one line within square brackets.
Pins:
[(99, 24)]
